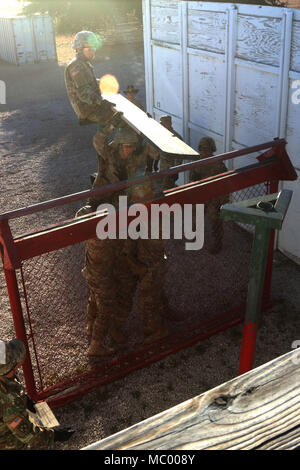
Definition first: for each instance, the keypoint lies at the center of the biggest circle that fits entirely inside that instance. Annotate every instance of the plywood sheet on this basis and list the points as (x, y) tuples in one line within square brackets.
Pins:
[(256, 95), (167, 80), (165, 21), (259, 39), (207, 92), (207, 30)]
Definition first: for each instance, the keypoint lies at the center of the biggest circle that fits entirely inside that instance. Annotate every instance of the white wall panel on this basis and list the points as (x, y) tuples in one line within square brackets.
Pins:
[(207, 92), (167, 80)]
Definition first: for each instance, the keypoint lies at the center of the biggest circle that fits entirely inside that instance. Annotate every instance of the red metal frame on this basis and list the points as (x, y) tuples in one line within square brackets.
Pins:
[(273, 165)]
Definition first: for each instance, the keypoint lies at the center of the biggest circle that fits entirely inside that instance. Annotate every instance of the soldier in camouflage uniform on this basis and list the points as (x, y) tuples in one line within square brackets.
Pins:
[(82, 85), (115, 267), (16, 430), (206, 148)]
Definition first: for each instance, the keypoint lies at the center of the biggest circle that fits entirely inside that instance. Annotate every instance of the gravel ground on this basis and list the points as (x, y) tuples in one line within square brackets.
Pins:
[(44, 154)]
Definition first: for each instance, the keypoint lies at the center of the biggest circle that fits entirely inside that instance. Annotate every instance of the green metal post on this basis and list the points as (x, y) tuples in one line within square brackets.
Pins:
[(266, 214)]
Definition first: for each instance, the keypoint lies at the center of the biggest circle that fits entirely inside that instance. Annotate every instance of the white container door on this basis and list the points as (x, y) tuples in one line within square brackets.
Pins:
[(45, 48), (24, 42)]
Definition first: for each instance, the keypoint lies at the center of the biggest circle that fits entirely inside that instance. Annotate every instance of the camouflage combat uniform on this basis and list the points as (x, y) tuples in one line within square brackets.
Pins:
[(114, 268), (16, 431), (84, 94), (212, 207)]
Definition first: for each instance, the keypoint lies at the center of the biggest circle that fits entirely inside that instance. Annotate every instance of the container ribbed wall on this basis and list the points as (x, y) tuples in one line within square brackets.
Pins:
[(26, 40)]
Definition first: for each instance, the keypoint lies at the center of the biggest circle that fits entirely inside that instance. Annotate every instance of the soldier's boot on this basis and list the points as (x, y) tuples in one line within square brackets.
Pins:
[(156, 335), (96, 348)]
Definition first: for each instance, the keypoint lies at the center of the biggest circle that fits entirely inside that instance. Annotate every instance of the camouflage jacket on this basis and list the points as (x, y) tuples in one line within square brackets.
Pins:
[(207, 171), (82, 88), (16, 431), (112, 169)]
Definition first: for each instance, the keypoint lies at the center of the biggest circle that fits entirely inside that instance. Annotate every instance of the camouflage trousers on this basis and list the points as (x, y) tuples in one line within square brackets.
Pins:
[(212, 208), (114, 270)]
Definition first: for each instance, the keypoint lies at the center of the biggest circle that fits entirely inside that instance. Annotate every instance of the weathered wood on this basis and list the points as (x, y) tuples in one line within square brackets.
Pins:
[(258, 410), (167, 68), (295, 55), (259, 39), (255, 106), (206, 104), (207, 30), (165, 21), (165, 141)]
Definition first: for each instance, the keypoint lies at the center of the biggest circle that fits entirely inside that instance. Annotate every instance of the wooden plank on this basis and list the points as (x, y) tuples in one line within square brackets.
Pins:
[(295, 55), (207, 30), (167, 80), (166, 142), (206, 101), (165, 21), (256, 94), (259, 39), (257, 410)]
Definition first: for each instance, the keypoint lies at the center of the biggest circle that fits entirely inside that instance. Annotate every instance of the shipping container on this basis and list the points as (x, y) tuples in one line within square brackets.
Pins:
[(44, 39), (232, 72), (26, 40)]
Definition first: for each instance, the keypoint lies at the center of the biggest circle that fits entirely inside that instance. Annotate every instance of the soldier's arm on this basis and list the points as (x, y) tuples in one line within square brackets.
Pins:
[(85, 91), (15, 417)]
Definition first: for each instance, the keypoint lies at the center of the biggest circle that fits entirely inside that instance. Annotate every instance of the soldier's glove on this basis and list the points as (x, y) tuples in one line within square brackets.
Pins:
[(62, 434), (30, 404)]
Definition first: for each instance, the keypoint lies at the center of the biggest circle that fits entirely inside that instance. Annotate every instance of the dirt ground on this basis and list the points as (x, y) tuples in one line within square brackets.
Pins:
[(44, 154)]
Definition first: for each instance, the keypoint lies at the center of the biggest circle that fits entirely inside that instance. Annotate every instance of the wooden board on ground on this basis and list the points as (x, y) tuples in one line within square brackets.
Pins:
[(165, 142), (257, 410)]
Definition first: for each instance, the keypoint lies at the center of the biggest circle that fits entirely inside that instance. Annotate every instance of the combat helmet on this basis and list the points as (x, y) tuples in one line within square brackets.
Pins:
[(126, 136), (86, 37), (207, 143), (166, 119), (131, 89), (14, 353)]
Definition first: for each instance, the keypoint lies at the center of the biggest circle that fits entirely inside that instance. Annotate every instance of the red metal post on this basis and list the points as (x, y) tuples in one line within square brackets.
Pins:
[(10, 262), (248, 347)]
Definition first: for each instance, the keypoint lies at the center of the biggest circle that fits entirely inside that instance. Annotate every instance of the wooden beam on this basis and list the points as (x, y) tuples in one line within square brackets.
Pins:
[(257, 410)]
